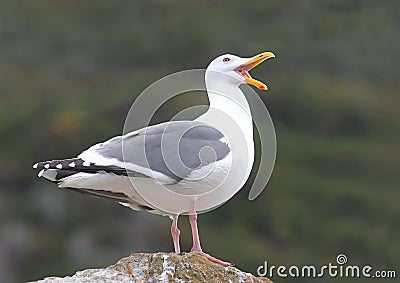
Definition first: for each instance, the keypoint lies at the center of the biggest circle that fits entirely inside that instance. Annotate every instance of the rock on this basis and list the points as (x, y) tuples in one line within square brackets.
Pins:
[(161, 267)]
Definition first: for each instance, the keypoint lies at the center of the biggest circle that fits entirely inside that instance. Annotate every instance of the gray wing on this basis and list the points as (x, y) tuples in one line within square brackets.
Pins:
[(173, 149), (168, 152)]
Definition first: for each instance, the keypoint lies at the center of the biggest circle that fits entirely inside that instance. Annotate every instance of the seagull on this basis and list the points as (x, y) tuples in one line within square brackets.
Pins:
[(176, 167)]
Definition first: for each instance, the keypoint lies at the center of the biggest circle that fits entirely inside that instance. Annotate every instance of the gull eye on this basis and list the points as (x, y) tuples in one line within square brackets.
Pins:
[(226, 59)]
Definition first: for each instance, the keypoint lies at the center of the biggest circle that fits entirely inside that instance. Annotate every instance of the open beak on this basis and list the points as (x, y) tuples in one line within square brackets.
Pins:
[(244, 69)]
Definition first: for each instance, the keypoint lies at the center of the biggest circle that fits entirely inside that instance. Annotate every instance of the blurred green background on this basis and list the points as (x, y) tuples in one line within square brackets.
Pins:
[(69, 71)]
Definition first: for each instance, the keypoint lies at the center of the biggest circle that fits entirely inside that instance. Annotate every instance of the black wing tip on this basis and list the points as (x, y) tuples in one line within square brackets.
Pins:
[(78, 165), (59, 164)]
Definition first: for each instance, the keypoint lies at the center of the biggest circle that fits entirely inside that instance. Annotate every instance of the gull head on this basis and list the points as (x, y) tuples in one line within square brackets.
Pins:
[(238, 67)]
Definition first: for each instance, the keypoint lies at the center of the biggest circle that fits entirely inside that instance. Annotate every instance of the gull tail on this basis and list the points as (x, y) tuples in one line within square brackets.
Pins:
[(88, 178)]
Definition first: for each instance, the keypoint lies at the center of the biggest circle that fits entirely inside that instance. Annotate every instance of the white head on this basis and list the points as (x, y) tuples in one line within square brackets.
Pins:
[(238, 68)]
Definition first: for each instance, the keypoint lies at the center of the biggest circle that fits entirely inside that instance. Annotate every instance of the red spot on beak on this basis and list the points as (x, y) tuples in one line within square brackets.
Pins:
[(261, 87)]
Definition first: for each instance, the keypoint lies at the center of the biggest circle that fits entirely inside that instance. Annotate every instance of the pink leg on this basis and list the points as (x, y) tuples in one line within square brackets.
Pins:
[(175, 232), (196, 239)]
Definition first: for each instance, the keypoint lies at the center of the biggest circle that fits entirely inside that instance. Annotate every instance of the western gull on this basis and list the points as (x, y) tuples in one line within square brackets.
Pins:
[(176, 167)]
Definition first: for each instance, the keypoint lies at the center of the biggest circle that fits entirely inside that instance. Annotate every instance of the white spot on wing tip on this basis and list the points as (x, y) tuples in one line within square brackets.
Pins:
[(35, 166), (72, 164), (41, 173), (59, 166), (86, 164), (47, 166)]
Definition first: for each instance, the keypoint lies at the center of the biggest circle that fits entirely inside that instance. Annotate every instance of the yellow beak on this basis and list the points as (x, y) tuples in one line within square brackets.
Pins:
[(244, 69)]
